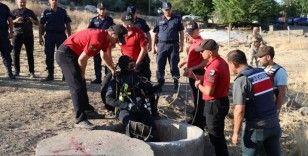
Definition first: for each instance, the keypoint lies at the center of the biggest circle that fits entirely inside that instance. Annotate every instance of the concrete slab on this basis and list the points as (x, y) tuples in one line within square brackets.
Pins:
[(97, 142)]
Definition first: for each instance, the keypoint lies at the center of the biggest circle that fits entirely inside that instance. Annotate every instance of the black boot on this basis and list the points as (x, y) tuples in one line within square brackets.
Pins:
[(160, 85), (10, 74), (176, 84), (50, 77)]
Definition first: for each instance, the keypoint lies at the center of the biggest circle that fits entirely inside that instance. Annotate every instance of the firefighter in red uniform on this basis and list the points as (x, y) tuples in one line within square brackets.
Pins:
[(72, 56), (215, 94), (136, 46), (194, 70)]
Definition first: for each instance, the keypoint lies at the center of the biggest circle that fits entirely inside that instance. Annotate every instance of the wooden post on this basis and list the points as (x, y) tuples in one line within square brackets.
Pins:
[(289, 34), (229, 34), (260, 30)]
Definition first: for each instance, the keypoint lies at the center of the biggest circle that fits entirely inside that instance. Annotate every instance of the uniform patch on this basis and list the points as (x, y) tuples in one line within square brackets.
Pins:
[(212, 72), (211, 77), (92, 48)]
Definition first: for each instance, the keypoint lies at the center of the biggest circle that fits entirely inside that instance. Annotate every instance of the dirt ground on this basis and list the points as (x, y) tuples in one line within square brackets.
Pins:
[(31, 110)]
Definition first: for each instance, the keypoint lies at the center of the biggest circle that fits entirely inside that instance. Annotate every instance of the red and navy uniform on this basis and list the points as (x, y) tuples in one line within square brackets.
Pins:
[(194, 59), (90, 41), (216, 106)]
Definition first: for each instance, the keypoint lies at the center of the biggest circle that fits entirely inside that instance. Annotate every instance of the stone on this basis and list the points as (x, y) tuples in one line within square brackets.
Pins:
[(97, 142)]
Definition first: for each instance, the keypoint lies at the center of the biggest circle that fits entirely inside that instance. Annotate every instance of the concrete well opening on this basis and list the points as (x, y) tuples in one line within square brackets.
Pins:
[(177, 139)]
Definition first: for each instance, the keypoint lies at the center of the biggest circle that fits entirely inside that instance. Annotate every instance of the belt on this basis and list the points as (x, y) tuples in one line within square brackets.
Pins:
[(170, 41), (218, 99), (55, 32)]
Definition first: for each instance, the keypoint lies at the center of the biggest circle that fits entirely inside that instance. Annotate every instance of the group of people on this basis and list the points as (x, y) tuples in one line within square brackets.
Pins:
[(258, 93)]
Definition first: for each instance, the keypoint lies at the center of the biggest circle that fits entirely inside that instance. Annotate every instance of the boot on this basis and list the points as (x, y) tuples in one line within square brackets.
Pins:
[(50, 77), (176, 84), (160, 85), (10, 74)]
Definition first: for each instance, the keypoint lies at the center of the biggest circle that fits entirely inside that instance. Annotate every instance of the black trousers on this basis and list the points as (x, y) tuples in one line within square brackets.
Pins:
[(98, 67), (5, 49), (199, 120), (52, 40), (28, 41), (68, 63), (145, 70), (215, 112)]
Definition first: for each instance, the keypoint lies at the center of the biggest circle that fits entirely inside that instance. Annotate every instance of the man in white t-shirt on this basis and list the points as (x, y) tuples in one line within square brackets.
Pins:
[(277, 73)]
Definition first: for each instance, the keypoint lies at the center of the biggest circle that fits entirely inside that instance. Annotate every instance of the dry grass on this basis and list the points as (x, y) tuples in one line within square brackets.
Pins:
[(294, 125)]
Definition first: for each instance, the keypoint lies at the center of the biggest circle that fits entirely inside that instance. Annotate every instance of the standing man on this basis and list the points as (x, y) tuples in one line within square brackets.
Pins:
[(101, 21), (73, 55), (54, 21), (141, 24), (276, 72), (168, 32), (136, 46), (23, 19), (195, 66), (253, 99), (255, 41), (6, 23), (215, 89)]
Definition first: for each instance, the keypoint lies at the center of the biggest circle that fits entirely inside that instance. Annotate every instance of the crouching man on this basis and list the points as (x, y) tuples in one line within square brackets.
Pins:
[(130, 96)]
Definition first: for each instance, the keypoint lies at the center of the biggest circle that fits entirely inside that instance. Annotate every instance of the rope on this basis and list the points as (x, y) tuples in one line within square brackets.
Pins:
[(197, 106)]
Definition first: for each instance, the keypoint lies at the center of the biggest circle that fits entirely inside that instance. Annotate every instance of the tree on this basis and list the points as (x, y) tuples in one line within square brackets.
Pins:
[(231, 11), (246, 11), (295, 8), (201, 8)]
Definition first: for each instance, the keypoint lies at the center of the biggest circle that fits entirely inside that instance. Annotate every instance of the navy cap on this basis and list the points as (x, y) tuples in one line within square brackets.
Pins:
[(127, 18), (191, 26), (131, 9), (120, 30), (100, 6), (166, 5), (207, 44)]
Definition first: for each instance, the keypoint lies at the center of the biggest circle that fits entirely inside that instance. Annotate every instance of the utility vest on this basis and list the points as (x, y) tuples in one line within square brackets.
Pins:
[(260, 105), (271, 73)]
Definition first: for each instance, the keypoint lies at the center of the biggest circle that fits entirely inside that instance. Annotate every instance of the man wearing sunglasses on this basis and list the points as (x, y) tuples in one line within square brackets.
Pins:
[(73, 55), (168, 41), (101, 21)]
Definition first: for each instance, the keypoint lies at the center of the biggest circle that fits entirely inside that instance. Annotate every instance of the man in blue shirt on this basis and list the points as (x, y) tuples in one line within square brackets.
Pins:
[(101, 21), (54, 21), (6, 24), (277, 73), (167, 43)]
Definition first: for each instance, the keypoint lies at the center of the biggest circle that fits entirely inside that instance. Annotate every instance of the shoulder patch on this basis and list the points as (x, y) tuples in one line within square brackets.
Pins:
[(212, 72)]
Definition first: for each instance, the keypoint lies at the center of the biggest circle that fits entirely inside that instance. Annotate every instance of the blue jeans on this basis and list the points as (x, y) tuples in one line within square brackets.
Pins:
[(261, 141)]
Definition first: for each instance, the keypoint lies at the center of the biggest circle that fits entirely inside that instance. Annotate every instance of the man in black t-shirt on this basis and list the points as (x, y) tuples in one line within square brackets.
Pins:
[(23, 19), (5, 45)]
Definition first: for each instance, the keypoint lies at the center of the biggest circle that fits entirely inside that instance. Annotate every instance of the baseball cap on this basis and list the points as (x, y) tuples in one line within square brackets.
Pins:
[(127, 18), (100, 6), (131, 9), (166, 5), (120, 30), (207, 44), (266, 50), (191, 26)]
